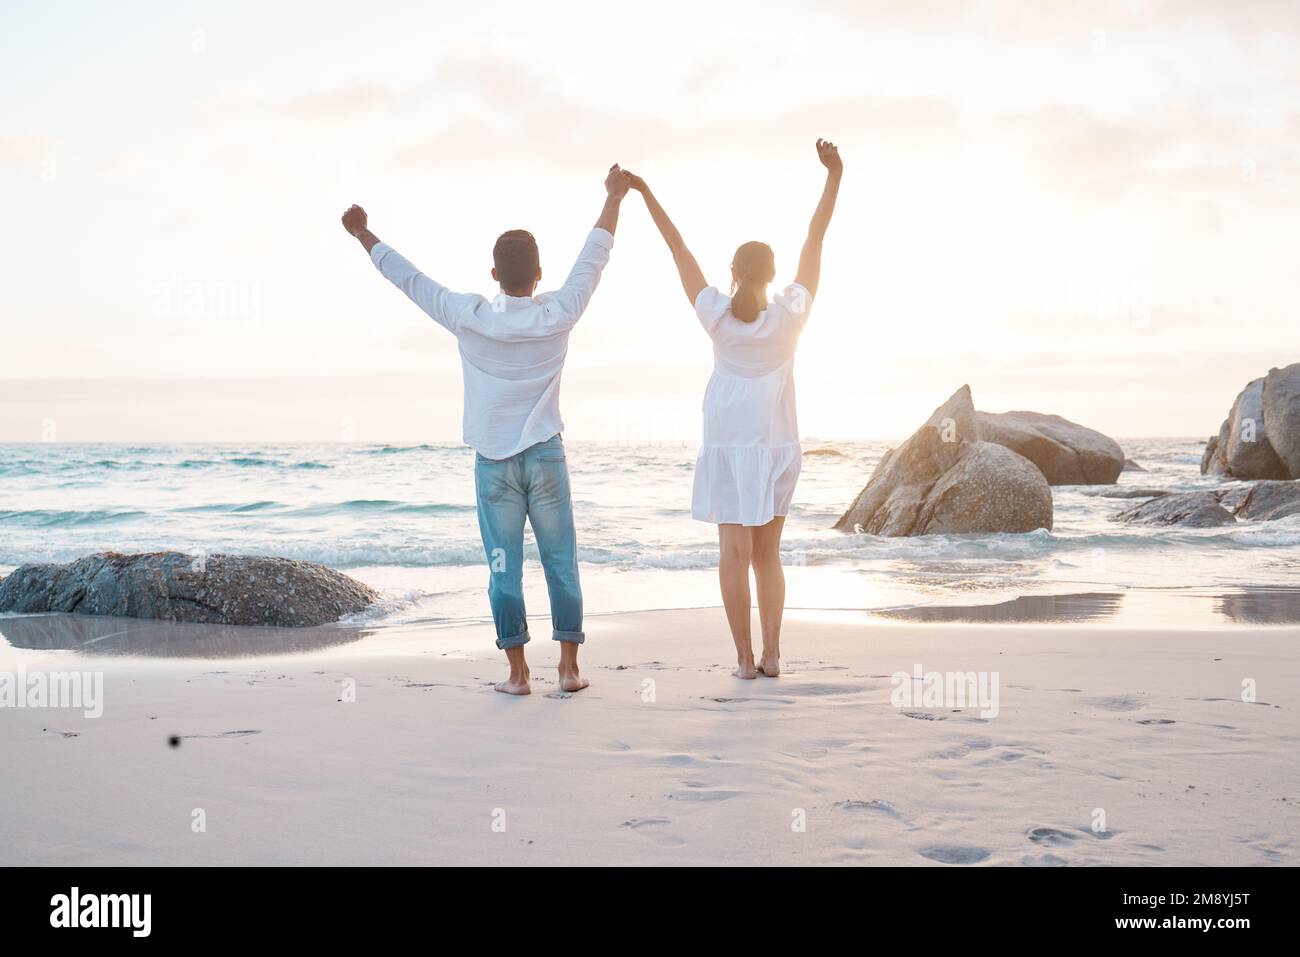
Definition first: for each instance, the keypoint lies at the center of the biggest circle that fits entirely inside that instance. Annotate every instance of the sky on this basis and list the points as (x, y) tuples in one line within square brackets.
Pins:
[(1089, 210)]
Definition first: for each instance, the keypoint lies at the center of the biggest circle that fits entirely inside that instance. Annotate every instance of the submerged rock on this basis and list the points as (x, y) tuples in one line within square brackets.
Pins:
[(1128, 492), (946, 479), (1065, 452), (1186, 509), (1267, 501), (172, 586)]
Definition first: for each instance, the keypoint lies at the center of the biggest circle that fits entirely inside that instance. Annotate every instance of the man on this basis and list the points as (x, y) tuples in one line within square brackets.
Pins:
[(512, 352)]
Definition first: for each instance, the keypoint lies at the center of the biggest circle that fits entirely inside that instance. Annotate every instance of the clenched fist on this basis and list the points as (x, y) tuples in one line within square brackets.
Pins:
[(354, 220)]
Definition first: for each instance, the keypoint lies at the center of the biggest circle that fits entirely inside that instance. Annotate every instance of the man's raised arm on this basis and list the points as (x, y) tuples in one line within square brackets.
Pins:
[(581, 283), (441, 304)]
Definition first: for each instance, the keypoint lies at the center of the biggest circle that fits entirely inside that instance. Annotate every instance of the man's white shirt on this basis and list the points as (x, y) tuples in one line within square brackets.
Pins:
[(512, 348)]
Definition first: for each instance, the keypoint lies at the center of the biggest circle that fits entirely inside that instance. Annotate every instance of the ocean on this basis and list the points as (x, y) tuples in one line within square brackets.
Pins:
[(401, 517)]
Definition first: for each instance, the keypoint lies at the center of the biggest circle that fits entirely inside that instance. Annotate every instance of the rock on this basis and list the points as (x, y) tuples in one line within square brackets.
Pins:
[(827, 452), (218, 589), (945, 479), (1186, 509), (1065, 452), (1281, 407), (1266, 501), (990, 489), (1260, 438), (1232, 496), (1131, 466), (1248, 452), (1128, 492), (1209, 458)]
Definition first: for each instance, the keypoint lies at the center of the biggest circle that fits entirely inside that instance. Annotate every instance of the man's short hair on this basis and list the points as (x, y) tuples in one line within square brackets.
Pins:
[(516, 260)]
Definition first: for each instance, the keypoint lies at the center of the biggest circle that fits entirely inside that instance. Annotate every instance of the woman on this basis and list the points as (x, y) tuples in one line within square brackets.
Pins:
[(749, 461)]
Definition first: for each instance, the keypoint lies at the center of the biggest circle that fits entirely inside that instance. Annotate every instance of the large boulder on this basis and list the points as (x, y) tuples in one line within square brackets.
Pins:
[(1260, 438), (1185, 509), (990, 489), (1065, 452), (1281, 407), (1247, 451), (945, 479), (217, 589)]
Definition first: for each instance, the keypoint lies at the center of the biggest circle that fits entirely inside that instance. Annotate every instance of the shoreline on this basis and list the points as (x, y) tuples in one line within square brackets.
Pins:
[(669, 759)]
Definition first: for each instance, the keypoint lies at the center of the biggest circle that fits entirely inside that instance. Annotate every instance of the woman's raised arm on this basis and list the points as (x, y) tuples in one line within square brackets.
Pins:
[(810, 259), (687, 268)]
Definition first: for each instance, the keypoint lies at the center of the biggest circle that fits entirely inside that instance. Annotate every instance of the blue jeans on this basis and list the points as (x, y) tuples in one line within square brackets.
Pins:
[(532, 484)]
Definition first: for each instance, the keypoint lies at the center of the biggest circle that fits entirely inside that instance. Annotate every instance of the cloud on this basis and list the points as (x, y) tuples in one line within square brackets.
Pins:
[(27, 152), (346, 103)]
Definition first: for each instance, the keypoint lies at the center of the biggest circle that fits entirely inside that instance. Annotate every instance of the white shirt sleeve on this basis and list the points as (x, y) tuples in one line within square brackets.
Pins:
[(573, 296), (710, 306), (445, 307), (796, 301)]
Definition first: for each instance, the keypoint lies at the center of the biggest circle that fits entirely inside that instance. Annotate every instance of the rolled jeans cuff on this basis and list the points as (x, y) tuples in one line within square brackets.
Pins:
[(514, 641), (573, 637)]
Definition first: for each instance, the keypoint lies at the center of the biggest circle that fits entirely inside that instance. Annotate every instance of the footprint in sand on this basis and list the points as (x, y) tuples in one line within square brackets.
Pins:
[(924, 715), (677, 760), (955, 853), (1156, 721), (650, 827), (699, 793), (963, 749), (1051, 837), (760, 701), (876, 806), (1117, 702)]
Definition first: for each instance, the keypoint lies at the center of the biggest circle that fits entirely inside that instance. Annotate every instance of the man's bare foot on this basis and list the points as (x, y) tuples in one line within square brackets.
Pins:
[(517, 683), (514, 686), (570, 680), (770, 667)]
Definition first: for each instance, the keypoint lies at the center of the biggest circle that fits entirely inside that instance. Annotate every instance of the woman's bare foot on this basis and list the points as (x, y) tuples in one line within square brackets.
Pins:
[(769, 667), (745, 669)]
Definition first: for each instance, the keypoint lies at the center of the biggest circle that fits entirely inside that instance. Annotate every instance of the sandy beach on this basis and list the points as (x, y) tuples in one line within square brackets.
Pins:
[(1109, 746)]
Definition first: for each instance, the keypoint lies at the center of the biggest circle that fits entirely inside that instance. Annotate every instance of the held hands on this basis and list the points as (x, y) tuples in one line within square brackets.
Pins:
[(829, 154), (635, 182), (354, 220), (616, 183)]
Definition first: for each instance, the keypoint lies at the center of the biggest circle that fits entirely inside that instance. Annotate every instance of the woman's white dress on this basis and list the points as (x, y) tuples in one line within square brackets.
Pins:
[(749, 461)]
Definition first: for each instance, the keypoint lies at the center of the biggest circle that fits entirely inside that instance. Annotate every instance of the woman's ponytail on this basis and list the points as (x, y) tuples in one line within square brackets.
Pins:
[(751, 270)]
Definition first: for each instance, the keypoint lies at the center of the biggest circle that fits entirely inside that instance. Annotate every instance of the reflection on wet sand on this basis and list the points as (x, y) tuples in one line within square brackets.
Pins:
[(1091, 606), (1261, 606), (1193, 608), (96, 635)]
